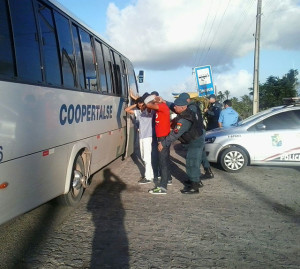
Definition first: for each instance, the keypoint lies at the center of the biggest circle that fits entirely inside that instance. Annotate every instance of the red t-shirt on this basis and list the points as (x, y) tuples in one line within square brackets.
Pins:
[(162, 120)]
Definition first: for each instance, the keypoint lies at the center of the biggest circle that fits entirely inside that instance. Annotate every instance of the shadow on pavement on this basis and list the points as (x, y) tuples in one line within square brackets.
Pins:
[(176, 171), (32, 236), (181, 151), (138, 162), (110, 243)]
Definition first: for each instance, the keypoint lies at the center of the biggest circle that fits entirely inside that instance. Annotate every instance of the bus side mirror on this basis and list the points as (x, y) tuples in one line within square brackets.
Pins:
[(141, 76)]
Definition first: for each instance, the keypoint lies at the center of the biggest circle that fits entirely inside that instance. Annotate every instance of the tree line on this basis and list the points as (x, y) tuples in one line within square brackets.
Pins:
[(271, 93)]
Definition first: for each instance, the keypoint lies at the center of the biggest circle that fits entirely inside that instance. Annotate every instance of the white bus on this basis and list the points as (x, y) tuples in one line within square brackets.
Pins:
[(63, 91)]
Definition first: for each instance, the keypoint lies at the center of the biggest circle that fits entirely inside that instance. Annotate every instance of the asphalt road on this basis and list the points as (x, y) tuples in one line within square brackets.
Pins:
[(245, 220)]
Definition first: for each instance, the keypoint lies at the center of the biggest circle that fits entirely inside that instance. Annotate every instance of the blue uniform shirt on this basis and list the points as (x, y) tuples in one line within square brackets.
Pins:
[(228, 117)]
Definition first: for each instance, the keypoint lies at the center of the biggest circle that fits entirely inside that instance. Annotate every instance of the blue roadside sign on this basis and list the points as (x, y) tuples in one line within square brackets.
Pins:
[(204, 80)]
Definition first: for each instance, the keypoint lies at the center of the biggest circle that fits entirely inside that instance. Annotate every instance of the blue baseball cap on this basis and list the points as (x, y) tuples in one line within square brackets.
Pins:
[(184, 95), (181, 102)]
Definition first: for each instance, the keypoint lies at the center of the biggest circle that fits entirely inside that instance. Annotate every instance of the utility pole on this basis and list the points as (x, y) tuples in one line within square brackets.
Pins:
[(256, 60)]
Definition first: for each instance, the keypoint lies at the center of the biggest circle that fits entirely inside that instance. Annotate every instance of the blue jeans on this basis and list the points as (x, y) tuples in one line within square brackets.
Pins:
[(154, 158), (164, 165)]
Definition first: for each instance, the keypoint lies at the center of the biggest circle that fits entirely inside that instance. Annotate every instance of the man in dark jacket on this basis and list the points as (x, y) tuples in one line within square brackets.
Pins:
[(189, 131), (195, 108), (212, 113)]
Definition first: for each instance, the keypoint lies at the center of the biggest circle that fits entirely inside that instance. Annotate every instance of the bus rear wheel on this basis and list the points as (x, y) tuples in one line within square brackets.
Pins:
[(76, 188)]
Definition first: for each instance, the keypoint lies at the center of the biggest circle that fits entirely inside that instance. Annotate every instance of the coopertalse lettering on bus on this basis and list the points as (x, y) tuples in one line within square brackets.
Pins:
[(79, 113)]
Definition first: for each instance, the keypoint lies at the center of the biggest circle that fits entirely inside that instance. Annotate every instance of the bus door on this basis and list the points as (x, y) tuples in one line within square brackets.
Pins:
[(131, 121)]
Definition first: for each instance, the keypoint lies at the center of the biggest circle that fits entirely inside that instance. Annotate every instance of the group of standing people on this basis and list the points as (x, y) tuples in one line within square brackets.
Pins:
[(157, 132), (216, 117)]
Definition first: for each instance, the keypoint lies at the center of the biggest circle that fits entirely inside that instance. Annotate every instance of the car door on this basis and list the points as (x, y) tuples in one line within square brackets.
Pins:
[(276, 139)]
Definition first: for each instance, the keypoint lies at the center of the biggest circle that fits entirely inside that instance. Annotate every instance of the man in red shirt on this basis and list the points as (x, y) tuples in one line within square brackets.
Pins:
[(162, 130)]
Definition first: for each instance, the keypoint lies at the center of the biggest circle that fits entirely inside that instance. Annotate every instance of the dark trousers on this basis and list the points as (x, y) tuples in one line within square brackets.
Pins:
[(154, 158), (194, 158), (164, 165), (205, 162)]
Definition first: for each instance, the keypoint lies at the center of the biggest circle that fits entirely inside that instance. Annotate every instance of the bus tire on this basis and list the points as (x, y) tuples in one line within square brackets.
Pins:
[(76, 190)]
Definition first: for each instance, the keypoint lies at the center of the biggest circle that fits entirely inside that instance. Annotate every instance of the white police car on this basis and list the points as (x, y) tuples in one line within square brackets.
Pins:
[(271, 137)]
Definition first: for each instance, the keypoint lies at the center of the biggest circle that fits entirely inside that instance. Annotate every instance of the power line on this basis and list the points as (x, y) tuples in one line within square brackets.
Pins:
[(235, 28), (218, 28), (197, 53), (208, 35), (236, 33)]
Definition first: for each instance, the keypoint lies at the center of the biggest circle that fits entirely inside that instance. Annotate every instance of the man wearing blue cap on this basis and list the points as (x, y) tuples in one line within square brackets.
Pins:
[(188, 131), (195, 108), (206, 165)]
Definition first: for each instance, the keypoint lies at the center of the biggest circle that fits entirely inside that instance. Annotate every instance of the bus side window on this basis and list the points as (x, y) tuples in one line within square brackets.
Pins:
[(118, 74), (78, 57), (89, 61), (108, 68), (49, 44), (132, 79), (7, 66), (124, 78), (112, 71), (66, 50), (26, 40), (101, 67)]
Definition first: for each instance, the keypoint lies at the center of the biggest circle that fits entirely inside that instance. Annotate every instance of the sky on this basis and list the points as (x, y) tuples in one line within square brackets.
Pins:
[(167, 39)]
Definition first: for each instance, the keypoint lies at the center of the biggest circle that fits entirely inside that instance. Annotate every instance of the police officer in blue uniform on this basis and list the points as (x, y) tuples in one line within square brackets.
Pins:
[(189, 131), (212, 113), (195, 108)]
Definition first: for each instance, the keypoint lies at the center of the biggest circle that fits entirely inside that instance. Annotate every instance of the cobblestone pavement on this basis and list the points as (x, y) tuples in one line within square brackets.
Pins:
[(245, 220)]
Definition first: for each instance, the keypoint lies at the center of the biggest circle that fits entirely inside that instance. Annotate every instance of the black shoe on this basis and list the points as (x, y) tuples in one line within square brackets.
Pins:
[(193, 189), (144, 181), (186, 188), (190, 191), (186, 185), (208, 174)]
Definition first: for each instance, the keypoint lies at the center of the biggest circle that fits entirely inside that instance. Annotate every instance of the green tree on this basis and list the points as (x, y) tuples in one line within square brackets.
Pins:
[(272, 92), (227, 93), (250, 91), (234, 101), (247, 106), (243, 107), (221, 96)]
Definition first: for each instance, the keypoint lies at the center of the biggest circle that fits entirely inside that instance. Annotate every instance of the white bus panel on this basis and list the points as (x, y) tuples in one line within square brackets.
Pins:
[(63, 91)]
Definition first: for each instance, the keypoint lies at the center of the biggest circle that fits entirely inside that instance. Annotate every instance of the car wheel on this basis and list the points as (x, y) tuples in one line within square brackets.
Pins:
[(233, 159)]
